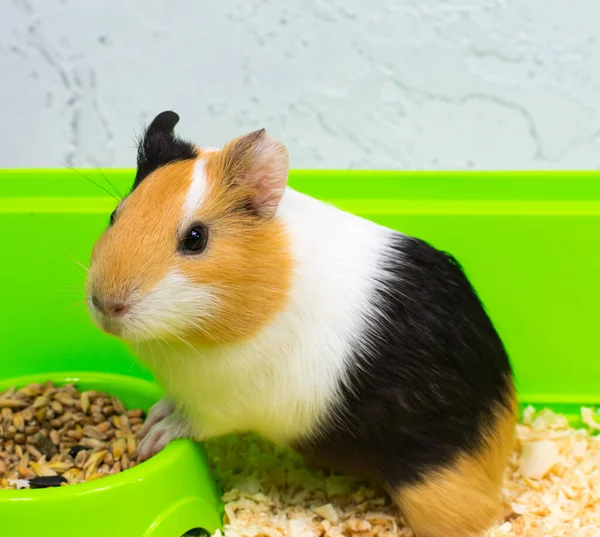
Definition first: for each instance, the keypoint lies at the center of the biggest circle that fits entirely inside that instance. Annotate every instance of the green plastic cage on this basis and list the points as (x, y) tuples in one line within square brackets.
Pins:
[(529, 242)]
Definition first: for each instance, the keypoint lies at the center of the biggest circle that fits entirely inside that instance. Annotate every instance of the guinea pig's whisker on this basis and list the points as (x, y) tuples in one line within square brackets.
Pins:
[(166, 356), (111, 194), (112, 186), (132, 360), (79, 264), (70, 293), (66, 255), (182, 340), (147, 329), (73, 286), (77, 304), (181, 360), (166, 342), (159, 343), (153, 356), (204, 332)]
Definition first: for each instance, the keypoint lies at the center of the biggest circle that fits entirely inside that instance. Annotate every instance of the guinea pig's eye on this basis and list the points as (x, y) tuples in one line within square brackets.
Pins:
[(113, 215), (195, 239)]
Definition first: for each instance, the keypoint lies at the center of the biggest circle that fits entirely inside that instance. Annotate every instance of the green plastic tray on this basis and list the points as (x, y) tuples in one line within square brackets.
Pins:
[(530, 242)]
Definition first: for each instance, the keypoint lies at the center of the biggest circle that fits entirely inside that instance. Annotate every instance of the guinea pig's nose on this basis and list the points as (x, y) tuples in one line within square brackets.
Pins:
[(118, 310), (112, 309)]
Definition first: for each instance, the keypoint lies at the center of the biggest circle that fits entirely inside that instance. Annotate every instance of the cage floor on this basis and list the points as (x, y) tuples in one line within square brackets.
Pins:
[(552, 487)]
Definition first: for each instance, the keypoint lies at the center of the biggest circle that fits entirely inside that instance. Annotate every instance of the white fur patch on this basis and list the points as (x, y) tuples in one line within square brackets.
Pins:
[(282, 383), (173, 304), (196, 193)]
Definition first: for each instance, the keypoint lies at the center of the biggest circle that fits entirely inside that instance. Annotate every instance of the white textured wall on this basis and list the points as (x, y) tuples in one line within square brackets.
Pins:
[(452, 84)]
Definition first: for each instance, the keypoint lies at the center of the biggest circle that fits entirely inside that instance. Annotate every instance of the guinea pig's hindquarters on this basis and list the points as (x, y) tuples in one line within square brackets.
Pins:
[(461, 499), (427, 407)]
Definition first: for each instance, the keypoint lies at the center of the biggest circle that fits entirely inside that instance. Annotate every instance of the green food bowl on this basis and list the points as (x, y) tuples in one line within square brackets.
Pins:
[(165, 496)]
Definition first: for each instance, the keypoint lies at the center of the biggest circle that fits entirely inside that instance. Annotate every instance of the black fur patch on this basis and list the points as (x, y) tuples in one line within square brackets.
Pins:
[(426, 387), (159, 146)]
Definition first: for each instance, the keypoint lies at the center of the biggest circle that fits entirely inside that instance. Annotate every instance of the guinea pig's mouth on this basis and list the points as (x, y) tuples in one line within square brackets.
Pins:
[(112, 326), (166, 312)]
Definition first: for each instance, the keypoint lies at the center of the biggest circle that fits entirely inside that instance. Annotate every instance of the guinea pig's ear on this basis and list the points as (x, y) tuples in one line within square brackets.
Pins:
[(159, 146), (259, 165)]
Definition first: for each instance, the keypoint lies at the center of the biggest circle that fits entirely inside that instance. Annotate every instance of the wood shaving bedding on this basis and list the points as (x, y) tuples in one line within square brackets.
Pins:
[(552, 488)]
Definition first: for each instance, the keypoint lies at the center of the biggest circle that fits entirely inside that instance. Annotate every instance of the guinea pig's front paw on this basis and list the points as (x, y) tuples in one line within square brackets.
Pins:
[(164, 424), (159, 411)]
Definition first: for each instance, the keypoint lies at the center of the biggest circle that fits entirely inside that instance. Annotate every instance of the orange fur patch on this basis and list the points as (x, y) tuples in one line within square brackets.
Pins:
[(137, 252), (463, 500), (248, 258), (247, 262)]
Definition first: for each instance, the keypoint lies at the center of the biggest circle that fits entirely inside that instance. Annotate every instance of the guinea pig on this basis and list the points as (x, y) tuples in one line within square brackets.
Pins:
[(259, 308)]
